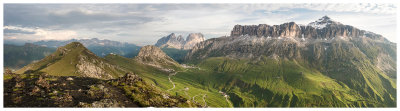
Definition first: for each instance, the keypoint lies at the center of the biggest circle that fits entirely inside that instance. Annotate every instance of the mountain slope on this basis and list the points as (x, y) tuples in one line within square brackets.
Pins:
[(74, 60), (171, 81), (306, 61), (19, 56), (154, 56)]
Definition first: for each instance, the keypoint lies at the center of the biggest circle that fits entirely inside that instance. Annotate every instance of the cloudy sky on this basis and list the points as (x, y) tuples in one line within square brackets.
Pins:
[(144, 24)]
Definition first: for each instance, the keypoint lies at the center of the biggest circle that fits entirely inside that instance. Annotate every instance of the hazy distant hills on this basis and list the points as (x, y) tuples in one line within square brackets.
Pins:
[(19, 56), (16, 57), (99, 47)]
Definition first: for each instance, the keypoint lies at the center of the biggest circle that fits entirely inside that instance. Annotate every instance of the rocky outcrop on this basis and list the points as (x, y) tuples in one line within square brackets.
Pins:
[(171, 41), (154, 56), (57, 91), (104, 103), (288, 40), (323, 28), (130, 79), (192, 39), (87, 67)]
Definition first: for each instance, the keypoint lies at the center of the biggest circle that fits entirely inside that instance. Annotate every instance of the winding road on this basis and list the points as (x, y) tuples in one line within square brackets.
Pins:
[(172, 82), (186, 89), (226, 98)]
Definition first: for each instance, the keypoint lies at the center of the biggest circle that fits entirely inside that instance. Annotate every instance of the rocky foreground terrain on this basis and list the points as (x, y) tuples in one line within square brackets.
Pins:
[(42, 90)]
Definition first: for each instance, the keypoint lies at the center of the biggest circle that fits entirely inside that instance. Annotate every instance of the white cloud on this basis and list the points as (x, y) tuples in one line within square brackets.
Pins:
[(40, 34), (145, 23)]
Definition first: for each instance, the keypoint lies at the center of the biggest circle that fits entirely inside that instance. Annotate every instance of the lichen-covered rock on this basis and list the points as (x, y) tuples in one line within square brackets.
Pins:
[(42, 82), (103, 103), (64, 101), (130, 79), (35, 91), (69, 79)]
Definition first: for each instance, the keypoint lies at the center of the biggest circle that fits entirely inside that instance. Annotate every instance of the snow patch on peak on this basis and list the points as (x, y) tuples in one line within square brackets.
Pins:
[(318, 25), (321, 23)]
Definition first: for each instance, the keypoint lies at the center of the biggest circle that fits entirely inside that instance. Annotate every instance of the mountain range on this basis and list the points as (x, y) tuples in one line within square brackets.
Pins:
[(19, 56), (99, 47), (322, 64), (178, 42)]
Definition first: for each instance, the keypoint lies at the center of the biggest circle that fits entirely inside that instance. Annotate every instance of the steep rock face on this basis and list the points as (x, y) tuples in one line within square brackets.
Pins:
[(362, 60), (171, 41), (154, 56), (192, 39), (324, 28), (73, 60), (246, 47)]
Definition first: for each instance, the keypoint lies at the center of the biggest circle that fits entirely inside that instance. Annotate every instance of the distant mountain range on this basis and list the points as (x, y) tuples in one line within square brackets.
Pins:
[(19, 56), (176, 46), (99, 47), (178, 42)]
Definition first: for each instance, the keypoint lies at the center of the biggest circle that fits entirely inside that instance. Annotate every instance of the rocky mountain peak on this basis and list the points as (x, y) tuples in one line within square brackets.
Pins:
[(192, 39), (73, 45), (154, 56), (325, 18), (323, 28), (75, 60), (151, 51), (171, 41), (322, 22), (178, 42)]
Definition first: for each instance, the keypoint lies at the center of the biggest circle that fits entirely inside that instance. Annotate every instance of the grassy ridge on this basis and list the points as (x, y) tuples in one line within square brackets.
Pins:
[(160, 79)]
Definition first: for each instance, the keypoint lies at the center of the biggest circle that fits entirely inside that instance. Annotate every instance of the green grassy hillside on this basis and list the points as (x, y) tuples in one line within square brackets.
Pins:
[(358, 72), (73, 60), (160, 79)]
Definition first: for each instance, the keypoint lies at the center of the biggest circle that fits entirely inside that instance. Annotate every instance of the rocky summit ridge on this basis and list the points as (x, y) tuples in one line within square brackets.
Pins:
[(178, 42), (154, 56), (323, 28), (73, 59)]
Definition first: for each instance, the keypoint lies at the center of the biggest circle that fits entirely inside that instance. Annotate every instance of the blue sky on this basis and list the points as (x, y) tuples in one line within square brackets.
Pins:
[(144, 24)]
